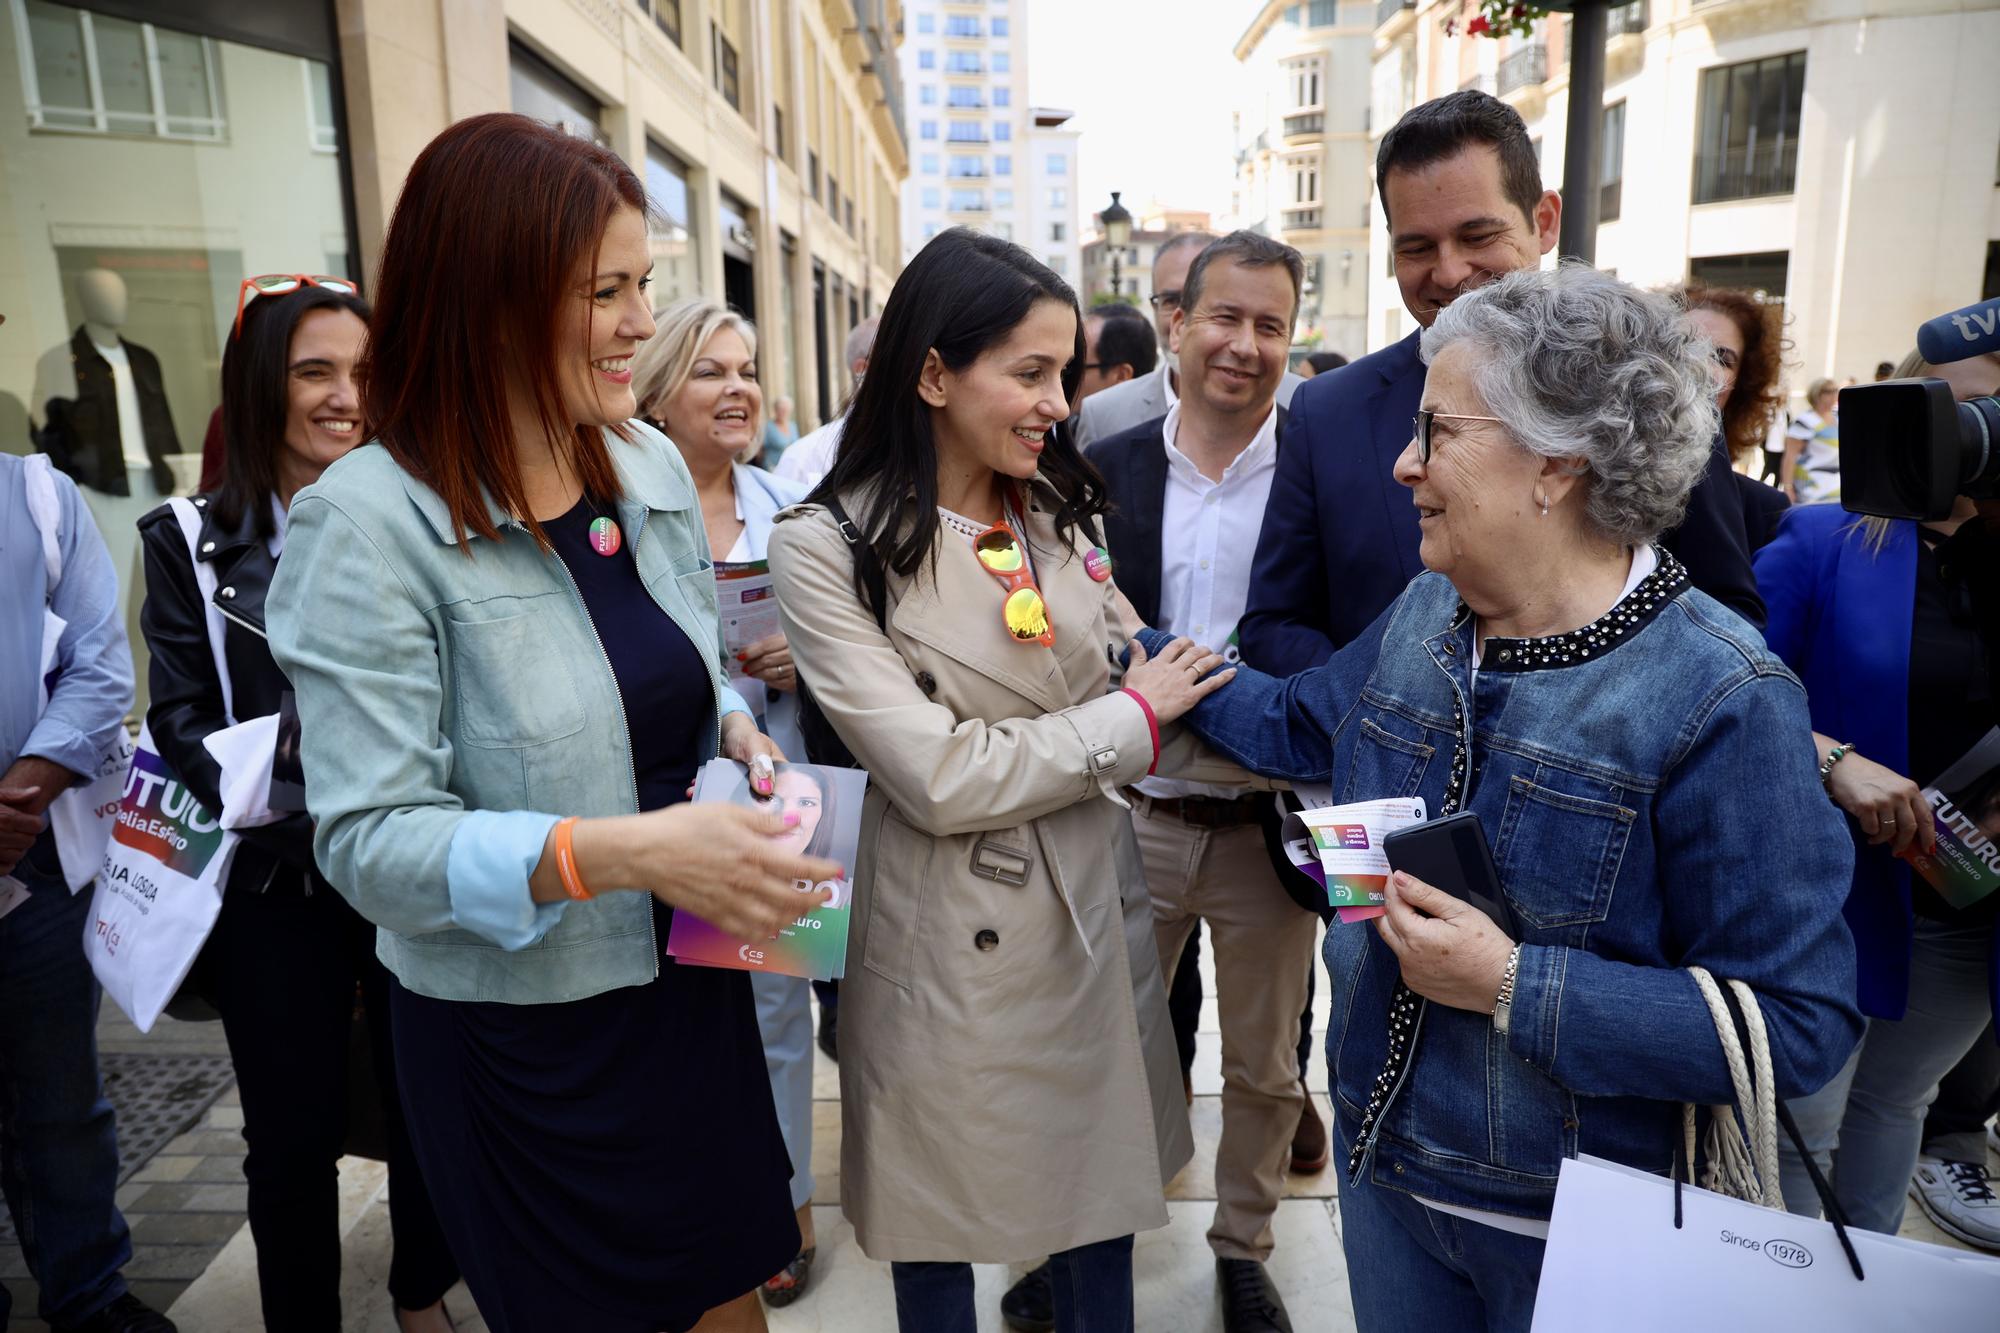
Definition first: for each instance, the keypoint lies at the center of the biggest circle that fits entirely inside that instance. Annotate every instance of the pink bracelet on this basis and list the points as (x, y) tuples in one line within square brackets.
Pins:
[(1152, 725)]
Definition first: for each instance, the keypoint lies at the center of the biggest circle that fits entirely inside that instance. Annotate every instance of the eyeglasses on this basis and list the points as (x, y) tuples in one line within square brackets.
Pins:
[(1165, 300), (284, 284), (1025, 613), (1421, 428)]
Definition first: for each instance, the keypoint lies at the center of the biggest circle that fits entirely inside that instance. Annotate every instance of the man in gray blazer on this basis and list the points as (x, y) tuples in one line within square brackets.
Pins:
[(1148, 397)]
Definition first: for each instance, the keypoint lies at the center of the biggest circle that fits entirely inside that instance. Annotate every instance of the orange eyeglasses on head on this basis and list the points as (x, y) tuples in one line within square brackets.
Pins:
[(284, 284), (1024, 611)]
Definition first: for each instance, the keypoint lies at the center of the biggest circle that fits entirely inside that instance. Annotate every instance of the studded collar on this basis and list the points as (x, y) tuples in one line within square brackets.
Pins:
[(1632, 613)]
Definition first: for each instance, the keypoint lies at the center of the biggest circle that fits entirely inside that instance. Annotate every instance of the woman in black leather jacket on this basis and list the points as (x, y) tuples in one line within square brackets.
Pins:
[(287, 952)]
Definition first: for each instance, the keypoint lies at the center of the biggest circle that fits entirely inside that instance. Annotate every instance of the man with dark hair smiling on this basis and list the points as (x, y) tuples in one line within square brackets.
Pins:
[(1462, 195)]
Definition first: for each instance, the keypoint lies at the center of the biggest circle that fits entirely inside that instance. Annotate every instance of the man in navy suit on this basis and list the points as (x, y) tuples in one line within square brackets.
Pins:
[(1462, 193)]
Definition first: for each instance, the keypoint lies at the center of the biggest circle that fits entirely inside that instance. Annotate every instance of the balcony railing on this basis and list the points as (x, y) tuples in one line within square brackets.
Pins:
[(1746, 173), (1309, 122), (1301, 218), (1388, 9), (967, 173), (1525, 68), (1625, 19)]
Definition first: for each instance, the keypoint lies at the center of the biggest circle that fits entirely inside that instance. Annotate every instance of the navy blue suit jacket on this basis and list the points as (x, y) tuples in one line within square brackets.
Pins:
[(1340, 534)]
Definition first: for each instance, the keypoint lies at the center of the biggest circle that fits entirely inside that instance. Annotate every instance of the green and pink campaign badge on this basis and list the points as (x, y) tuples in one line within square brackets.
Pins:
[(828, 804)]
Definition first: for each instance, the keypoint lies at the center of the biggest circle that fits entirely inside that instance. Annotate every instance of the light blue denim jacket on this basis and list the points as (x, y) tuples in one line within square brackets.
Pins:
[(1652, 802), (455, 701)]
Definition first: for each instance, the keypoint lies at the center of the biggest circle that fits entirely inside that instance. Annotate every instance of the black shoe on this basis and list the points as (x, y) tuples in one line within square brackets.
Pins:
[(1250, 1303), (127, 1314), (829, 1031), (1030, 1304)]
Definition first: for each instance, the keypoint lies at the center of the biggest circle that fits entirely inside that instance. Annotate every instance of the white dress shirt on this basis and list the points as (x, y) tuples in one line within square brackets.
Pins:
[(809, 458), (1208, 539)]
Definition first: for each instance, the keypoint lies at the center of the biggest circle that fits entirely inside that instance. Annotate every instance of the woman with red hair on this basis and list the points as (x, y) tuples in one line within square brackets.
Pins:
[(500, 620)]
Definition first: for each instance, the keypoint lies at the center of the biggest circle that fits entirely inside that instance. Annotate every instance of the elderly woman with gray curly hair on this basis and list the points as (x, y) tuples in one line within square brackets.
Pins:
[(1554, 674)]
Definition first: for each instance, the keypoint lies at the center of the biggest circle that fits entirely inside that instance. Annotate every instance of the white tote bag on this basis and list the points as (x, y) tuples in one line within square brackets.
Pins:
[(82, 816), (161, 886), (1615, 1260), (1643, 1253)]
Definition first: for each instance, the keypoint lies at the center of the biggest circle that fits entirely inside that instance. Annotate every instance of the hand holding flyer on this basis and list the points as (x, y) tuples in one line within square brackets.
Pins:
[(828, 804), (1965, 803), (1341, 846)]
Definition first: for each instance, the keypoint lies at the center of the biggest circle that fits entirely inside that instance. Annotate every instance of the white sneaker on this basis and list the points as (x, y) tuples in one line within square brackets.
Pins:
[(1959, 1198)]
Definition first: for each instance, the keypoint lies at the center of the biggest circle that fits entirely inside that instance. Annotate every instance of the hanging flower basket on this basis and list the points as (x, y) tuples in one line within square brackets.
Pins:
[(1499, 18)]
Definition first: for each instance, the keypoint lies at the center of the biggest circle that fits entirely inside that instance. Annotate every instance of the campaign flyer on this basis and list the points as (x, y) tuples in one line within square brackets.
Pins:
[(1965, 805), (1343, 843), (828, 803)]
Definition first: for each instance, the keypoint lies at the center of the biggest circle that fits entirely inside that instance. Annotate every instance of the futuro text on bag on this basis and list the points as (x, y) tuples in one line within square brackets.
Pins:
[(159, 891)]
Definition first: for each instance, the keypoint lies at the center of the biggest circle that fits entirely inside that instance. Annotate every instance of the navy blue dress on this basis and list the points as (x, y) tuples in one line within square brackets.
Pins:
[(613, 1163)]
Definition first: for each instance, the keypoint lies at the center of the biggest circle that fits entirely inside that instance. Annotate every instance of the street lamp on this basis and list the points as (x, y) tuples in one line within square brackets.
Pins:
[(1117, 223)]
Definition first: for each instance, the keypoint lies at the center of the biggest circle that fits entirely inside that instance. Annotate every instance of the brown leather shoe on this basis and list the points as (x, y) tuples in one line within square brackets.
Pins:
[(1309, 1150)]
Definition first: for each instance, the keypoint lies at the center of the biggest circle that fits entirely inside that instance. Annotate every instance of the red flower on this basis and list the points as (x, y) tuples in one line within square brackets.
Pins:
[(1479, 26)]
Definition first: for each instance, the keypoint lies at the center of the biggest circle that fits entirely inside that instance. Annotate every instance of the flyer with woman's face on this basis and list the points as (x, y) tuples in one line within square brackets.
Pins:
[(828, 804)]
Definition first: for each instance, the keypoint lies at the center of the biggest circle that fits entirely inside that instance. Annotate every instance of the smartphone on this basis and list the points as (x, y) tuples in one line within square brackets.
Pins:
[(1451, 854)]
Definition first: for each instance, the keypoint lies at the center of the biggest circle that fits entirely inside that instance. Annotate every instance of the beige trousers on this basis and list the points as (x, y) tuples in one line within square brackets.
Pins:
[(1262, 945)]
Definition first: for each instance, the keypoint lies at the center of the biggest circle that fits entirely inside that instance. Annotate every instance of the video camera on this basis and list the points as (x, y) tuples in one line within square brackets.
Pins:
[(1908, 447)]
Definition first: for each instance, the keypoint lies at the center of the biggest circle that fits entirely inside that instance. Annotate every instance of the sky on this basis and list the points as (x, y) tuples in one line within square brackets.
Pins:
[(1153, 84)]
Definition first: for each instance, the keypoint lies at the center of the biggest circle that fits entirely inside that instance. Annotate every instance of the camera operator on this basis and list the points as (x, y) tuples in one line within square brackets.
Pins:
[(1891, 625)]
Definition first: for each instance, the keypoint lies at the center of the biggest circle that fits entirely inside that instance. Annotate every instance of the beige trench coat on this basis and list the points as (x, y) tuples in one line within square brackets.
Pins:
[(1008, 1080)]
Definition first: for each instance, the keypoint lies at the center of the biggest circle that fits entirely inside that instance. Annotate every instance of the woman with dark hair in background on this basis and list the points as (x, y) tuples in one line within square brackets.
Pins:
[(1009, 1086), (287, 952), (1749, 341), (502, 629)]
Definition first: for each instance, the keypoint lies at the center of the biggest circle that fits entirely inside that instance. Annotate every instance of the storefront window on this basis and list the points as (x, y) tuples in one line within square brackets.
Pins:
[(150, 171), (676, 262)]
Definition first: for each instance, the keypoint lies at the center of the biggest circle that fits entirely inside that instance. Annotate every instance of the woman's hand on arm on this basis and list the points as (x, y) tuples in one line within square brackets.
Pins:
[(717, 861), (1179, 678), (1450, 951), (1888, 806)]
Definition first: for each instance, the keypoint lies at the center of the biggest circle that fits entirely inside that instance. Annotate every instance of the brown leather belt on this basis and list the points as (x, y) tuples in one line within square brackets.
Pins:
[(1200, 811)]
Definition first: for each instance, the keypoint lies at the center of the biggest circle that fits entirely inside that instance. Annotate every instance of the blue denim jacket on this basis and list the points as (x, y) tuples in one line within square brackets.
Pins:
[(454, 701), (1651, 805)]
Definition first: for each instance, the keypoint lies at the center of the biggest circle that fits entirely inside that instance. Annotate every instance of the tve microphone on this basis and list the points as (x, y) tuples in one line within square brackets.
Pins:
[(1973, 331)]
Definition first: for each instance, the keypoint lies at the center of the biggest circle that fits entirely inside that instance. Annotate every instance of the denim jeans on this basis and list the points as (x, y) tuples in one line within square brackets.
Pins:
[(1412, 1269), (1865, 1128), (58, 1145), (1092, 1285)]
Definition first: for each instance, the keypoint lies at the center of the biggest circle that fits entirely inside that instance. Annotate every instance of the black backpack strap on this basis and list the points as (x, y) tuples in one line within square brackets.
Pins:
[(866, 562)]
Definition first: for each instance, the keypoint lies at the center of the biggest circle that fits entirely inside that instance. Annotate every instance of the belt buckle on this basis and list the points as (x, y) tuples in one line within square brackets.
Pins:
[(1003, 864)]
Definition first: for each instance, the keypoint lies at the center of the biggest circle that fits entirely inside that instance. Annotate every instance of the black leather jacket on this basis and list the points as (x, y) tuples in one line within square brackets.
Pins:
[(186, 692)]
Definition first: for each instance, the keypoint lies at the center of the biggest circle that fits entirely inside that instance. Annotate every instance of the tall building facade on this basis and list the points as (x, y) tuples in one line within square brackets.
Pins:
[(1302, 155), (1839, 158), (980, 156)]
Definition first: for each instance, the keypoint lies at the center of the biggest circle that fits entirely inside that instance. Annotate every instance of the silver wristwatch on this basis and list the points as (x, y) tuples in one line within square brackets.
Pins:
[(1503, 1007)]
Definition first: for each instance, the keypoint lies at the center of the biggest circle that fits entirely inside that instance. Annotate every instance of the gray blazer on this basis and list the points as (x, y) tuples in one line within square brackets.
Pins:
[(1136, 401)]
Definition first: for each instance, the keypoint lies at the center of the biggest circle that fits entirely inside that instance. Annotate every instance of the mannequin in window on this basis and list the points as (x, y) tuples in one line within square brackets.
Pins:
[(102, 411)]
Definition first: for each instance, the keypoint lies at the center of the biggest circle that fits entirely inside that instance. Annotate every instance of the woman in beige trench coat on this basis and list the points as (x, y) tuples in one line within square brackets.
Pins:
[(1009, 1086)]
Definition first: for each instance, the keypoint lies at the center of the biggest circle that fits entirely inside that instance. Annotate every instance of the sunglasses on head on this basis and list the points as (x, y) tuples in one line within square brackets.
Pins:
[(284, 284), (1421, 428), (1024, 612)]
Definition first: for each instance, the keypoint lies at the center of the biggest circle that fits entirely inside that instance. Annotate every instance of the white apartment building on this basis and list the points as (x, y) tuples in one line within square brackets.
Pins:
[(1839, 157), (1153, 227), (1052, 202), (1303, 155), (979, 155)]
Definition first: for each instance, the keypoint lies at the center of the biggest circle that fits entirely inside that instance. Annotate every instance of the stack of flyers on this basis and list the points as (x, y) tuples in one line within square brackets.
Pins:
[(828, 803), (1965, 805), (1341, 846)]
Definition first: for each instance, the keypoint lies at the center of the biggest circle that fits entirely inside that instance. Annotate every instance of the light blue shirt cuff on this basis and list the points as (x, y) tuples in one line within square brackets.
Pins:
[(492, 854), (732, 702)]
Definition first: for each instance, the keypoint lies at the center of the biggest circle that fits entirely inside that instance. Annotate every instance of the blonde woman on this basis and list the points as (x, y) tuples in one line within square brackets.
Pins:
[(696, 379)]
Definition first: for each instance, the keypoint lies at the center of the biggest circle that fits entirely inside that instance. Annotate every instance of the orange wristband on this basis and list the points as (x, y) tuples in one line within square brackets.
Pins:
[(572, 882)]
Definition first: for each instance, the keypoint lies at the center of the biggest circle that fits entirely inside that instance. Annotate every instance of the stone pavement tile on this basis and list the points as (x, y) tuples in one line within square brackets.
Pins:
[(826, 1152), (210, 1229), (163, 1170), (217, 1170), (179, 1263), (206, 1142), (223, 1117), (1196, 1180), (191, 1197)]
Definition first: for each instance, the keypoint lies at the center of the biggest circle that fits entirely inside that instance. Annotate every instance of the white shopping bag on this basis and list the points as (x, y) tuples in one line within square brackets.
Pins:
[(159, 891), (1616, 1260), (83, 815)]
